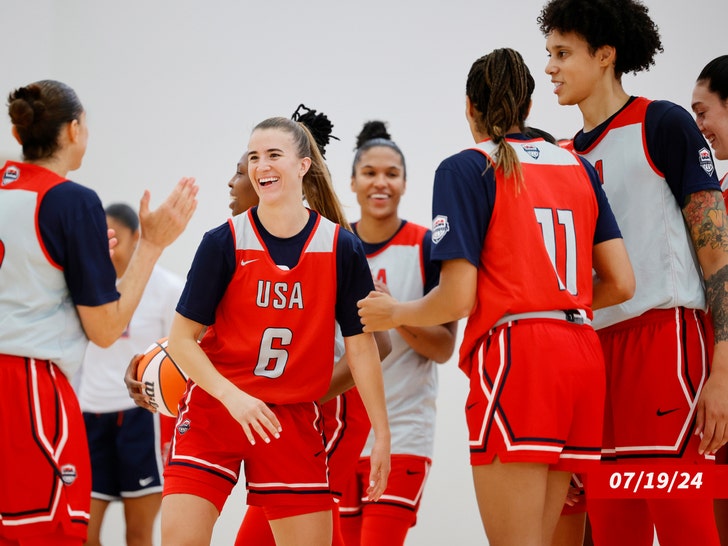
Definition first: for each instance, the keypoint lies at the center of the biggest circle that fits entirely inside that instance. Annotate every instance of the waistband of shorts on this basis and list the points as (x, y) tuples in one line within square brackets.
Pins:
[(653, 315), (575, 316)]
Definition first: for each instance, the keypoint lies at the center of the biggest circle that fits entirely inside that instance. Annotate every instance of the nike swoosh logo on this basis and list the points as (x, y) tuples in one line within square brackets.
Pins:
[(412, 472), (246, 262), (146, 481), (469, 406), (660, 413)]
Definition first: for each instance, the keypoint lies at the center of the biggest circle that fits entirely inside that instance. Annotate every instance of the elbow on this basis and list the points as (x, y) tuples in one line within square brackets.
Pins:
[(463, 308), (444, 354), (384, 344), (102, 339), (625, 290)]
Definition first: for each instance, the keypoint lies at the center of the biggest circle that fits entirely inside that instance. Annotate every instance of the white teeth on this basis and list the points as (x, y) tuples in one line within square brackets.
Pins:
[(264, 181), (379, 196)]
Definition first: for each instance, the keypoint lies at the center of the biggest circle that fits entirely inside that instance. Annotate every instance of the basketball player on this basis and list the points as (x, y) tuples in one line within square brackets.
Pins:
[(710, 105), (659, 175), (398, 252), (260, 384), (57, 292), (518, 226), (127, 443)]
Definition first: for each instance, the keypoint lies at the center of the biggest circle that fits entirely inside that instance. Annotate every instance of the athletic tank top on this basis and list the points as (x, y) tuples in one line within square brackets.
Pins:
[(273, 334), (537, 252), (666, 270), (37, 316)]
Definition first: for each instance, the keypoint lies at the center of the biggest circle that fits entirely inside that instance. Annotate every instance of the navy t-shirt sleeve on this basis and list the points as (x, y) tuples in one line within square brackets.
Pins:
[(462, 203), (432, 268), (678, 150), (606, 228), (72, 224), (209, 276), (354, 282)]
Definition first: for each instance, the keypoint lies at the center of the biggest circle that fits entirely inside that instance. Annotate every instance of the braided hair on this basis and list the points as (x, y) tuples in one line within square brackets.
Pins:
[(499, 87), (319, 125)]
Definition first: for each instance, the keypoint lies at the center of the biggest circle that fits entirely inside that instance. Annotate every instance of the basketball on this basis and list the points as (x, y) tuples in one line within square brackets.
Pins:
[(163, 381)]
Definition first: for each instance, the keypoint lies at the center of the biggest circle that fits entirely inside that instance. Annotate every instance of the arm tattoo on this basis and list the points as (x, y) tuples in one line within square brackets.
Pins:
[(717, 294), (705, 215)]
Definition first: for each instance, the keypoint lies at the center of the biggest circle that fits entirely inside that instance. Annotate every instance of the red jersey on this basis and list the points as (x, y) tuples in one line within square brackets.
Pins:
[(537, 252), (274, 327)]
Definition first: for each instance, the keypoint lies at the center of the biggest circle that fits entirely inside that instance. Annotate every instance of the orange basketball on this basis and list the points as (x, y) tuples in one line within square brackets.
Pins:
[(163, 381)]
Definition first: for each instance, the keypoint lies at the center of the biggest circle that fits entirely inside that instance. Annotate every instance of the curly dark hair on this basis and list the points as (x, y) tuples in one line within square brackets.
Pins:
[(318, 123), (622, 24)]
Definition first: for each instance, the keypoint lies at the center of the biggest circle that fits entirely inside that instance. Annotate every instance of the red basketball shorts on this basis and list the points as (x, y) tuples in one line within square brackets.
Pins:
[(209, 445), (656, 366), (402, 497), (45, 471), (537, 395), (346, 427)]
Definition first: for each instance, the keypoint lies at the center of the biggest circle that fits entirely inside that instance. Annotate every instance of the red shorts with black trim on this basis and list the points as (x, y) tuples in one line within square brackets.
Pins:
[(656, 365), (45, 471), (287, 476), (401, 498), (346, 428), (536, 395)]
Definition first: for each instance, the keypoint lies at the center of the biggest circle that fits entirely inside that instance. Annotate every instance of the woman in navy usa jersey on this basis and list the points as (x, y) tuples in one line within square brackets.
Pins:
[(269, 286), (518, 225)]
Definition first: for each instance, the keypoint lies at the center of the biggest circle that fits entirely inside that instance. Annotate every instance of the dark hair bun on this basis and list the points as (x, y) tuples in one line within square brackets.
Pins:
[(25, 106), (371, 130), (317, 123)]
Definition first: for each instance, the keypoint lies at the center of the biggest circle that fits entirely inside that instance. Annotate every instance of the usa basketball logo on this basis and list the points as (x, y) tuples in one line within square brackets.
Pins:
[(184, 426), (531, 150), (440, 227), (68, 474), (706, 162), (11, 175)]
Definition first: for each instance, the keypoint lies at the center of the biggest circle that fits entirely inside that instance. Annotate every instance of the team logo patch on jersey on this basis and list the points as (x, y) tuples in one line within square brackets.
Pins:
[(184, 426), (706, 162), (531, 150), (12, 173), (440, 227), (68, 474)]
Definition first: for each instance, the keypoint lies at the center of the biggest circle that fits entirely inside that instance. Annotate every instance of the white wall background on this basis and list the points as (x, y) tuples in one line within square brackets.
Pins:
[(173, 87)]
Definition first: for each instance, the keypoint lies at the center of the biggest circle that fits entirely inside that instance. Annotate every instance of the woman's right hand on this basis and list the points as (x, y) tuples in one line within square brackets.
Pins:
[(253, 415), (136, 388)]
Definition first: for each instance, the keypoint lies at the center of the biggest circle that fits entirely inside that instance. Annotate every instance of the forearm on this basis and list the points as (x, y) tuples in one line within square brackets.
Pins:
[(434, 309), (103, 324), (717, 298), (433, 342)]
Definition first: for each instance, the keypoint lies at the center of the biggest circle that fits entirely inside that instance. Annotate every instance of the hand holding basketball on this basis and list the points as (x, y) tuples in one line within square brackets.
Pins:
[(162, 382)]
